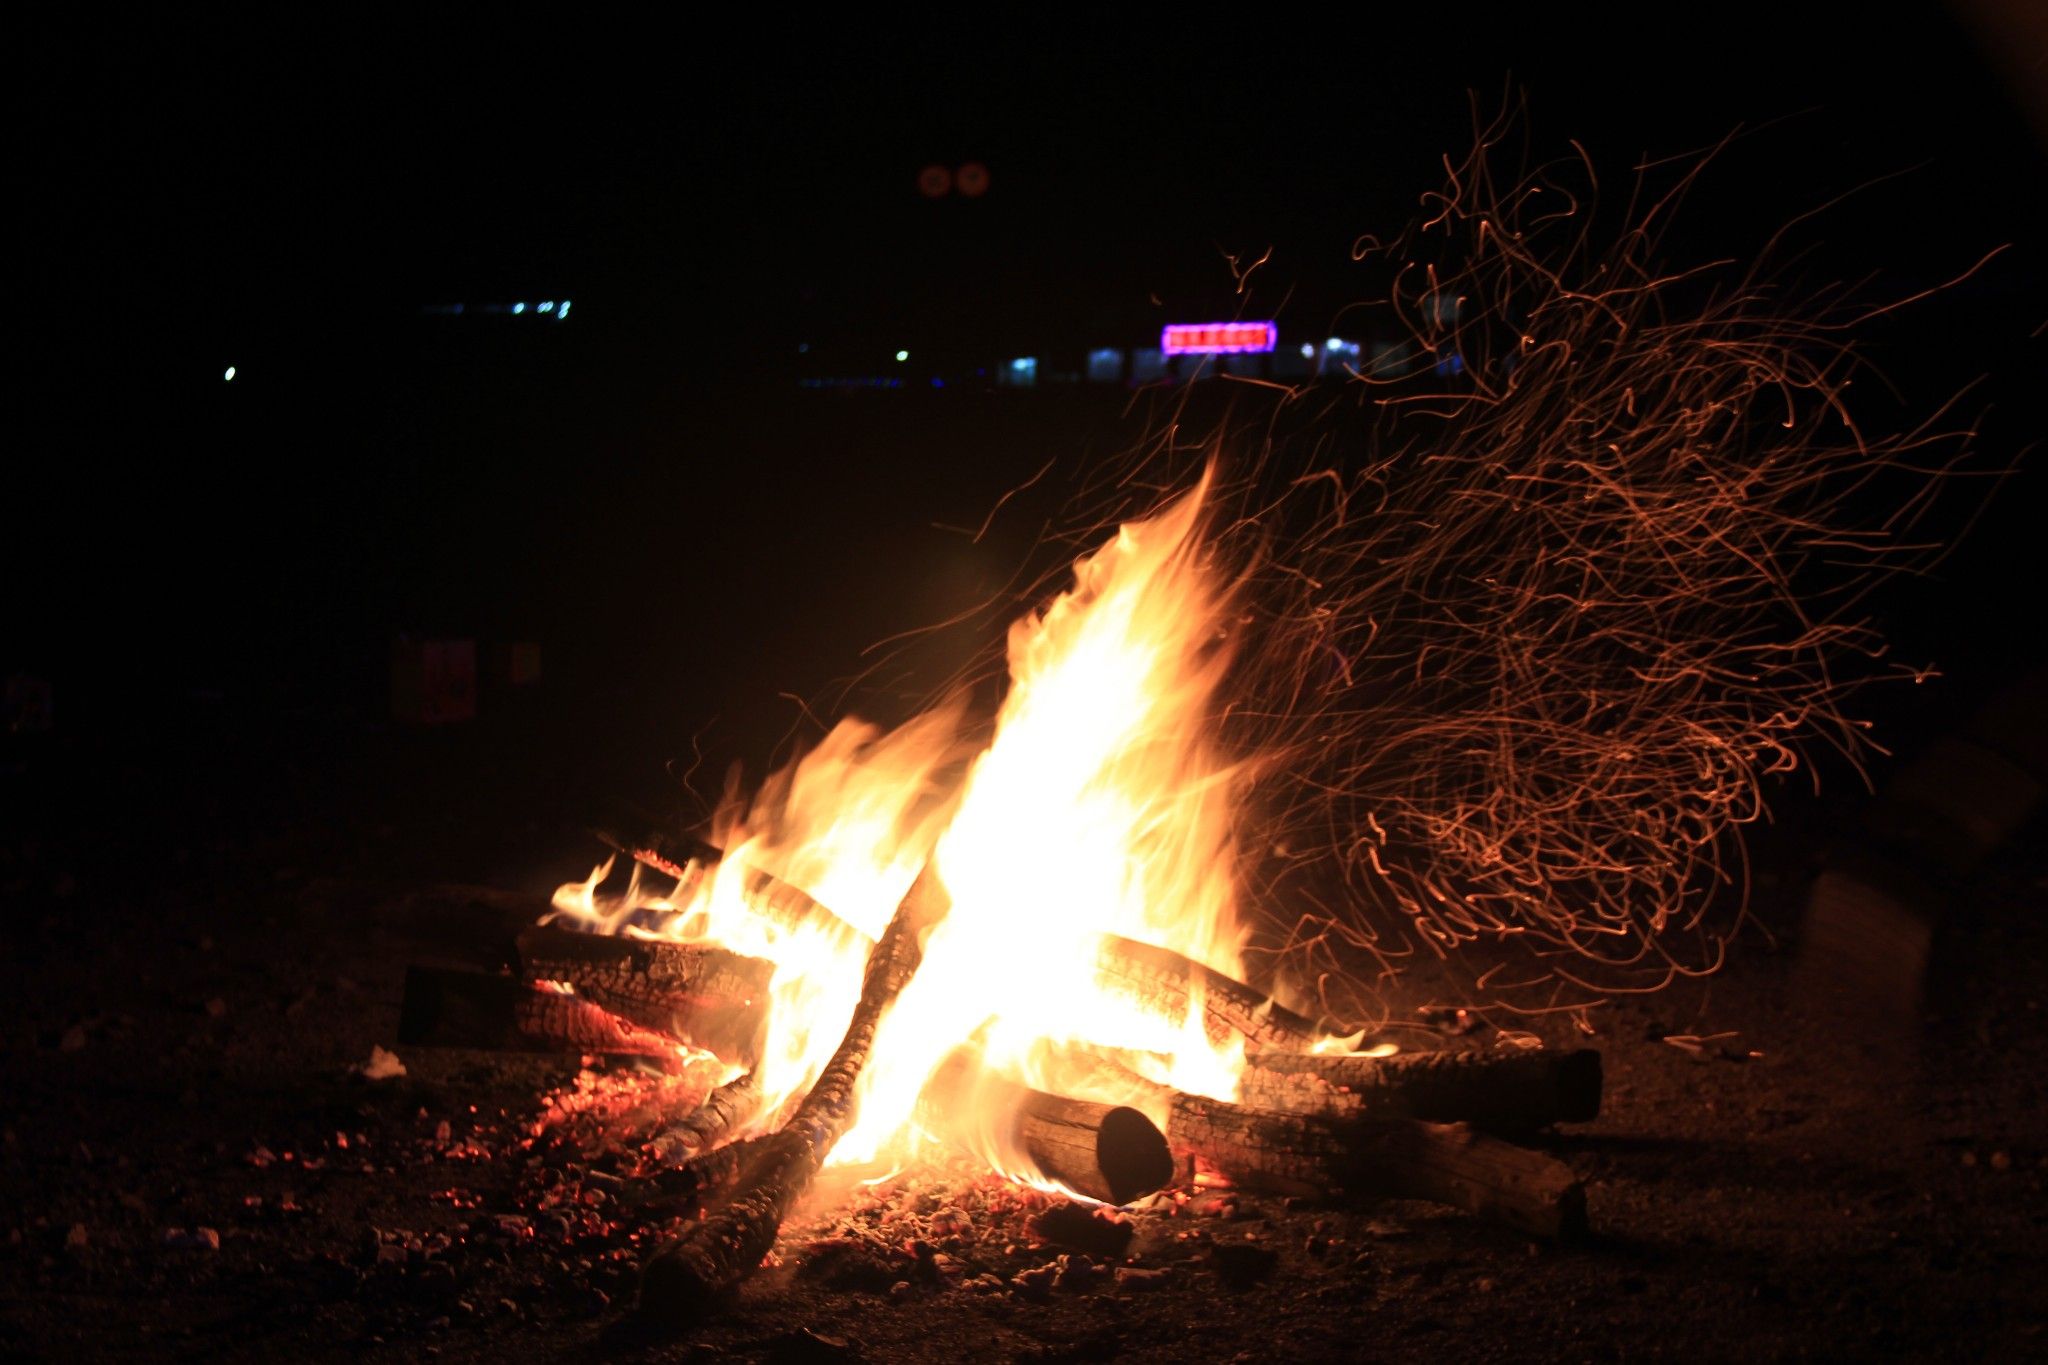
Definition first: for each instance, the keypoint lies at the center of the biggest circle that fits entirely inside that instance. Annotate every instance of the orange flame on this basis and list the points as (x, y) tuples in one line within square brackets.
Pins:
[(1100, 805)]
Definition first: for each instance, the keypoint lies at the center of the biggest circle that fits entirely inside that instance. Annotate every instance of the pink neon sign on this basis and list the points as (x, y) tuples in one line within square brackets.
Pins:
[(1216, 338)]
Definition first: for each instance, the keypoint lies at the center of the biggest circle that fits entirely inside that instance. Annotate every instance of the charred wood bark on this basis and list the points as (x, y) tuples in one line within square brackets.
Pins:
[(715, 998), (1502, 1092), (499, 1013), (1109, 1152), (687, 1279)]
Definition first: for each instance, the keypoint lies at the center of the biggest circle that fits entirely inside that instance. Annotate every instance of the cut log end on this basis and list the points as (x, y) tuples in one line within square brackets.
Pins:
[(1132, 1155)]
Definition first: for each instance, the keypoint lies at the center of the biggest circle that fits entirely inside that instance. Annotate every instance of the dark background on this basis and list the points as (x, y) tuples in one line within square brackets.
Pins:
[(645, 490)]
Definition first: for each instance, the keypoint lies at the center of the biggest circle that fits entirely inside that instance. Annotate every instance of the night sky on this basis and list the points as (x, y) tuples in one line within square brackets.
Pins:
[(643, 487)]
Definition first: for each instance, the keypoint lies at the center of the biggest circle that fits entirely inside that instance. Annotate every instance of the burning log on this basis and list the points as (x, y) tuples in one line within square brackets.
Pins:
[(1158, 976), (1506, 1092), (686, 1279), (1164, 979), (1108, 1152), (501, 1014), (715, 998), (725, 1109)]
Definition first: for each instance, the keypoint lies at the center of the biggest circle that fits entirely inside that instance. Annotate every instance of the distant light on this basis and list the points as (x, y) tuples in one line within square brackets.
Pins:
[(230, 375), (971, 180), (902, 356), (563, 311), (1308, 351), (518, 307), (938, 383), (803, 348), (548, 307), (1217, 338), (1333, 344)]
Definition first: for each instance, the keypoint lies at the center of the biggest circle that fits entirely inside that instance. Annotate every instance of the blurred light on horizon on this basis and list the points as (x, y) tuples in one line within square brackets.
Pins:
[(1217, 338), (518, 308), (902, 356), (230, 375)]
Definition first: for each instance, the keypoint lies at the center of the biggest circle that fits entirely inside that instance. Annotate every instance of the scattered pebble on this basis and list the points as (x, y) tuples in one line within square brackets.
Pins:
[(383, 1065)]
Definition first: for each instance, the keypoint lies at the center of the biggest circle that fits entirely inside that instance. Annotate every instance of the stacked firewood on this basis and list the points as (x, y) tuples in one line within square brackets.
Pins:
[(1320, 1124)]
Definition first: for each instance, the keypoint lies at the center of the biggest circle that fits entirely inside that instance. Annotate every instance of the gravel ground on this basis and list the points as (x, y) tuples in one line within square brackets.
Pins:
[(194, 1165)]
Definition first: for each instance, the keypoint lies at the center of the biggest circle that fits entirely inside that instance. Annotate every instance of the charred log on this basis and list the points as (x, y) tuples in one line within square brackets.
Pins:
[(477, 925), (1389, 1158), (715, 998), (676, 856), (501, 1014), (1502, 1092), (687, 1279), (1452, 1164), (1359, 1155), (1109, 1152)]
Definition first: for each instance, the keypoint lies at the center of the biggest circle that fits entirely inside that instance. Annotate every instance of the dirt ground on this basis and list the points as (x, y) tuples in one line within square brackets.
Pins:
[(196, 965)]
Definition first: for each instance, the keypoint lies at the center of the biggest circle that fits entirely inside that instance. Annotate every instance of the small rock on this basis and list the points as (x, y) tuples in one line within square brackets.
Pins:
[(382, 1065), (2001, 1161), (1036, 1284), (1076, 1273), (217, 1008), (76, 1240), (198, 1239), (73, 1039), (1095, 1231), (1141, 1277)]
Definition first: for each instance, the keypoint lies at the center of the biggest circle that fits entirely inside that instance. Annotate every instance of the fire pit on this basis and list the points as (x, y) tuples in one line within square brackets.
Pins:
[(1072, 1020)]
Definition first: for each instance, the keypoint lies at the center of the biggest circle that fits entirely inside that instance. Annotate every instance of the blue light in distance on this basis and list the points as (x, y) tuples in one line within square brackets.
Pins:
[(548, 307), (518, 308), (230, 375), (563, 311)]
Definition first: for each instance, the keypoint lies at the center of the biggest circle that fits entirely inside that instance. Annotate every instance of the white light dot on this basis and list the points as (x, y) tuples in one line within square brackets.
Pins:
[(903, 355), (518, 308), (230, 374)]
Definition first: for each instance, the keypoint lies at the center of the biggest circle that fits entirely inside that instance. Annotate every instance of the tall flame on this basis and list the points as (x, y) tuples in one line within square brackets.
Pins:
[(1100, 806)]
